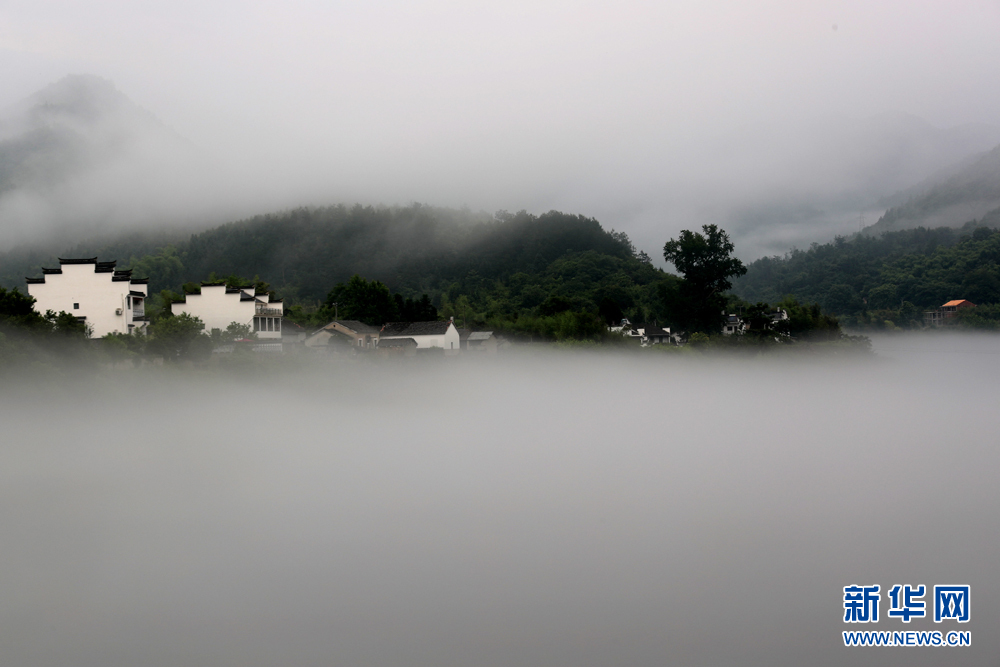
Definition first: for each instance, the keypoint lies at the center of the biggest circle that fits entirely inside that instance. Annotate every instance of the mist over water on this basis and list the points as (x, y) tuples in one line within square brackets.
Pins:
[(564, 509)]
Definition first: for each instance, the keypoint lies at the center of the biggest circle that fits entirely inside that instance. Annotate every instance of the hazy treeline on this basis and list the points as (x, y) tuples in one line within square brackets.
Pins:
[(550, 277), (32, 339), (555, 275), (889, 280)]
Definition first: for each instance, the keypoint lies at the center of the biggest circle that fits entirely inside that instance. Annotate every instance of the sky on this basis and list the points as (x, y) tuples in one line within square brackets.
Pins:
[(648, 116)]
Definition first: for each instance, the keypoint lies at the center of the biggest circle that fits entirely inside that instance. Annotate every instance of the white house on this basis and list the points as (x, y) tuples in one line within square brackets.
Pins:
[(655, 335), (355, 333), (109, 301), (218, 306), (733, 325), (426, 335)]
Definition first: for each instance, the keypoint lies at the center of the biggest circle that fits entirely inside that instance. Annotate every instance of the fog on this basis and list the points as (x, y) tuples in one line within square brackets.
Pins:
[(547, 509), (784, 122)]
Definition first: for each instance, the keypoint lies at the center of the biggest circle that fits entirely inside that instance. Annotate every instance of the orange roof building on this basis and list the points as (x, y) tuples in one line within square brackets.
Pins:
[(951, 308)]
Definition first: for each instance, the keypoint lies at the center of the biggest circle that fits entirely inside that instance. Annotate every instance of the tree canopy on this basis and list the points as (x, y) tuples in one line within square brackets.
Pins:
[(706, 261)]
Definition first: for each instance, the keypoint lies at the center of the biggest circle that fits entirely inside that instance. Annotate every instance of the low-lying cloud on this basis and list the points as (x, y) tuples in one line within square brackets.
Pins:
[(558, 510)]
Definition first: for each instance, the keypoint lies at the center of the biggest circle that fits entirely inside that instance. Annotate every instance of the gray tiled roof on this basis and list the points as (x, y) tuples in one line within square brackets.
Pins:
[(415, 328), (480, 335), (355, 326)]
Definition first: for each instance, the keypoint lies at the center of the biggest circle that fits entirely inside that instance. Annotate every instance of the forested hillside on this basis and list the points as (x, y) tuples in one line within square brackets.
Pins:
[(473, 265), (897, 275)]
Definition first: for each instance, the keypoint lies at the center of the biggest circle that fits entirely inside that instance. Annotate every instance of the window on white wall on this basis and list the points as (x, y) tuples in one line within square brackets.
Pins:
[(76, 306)]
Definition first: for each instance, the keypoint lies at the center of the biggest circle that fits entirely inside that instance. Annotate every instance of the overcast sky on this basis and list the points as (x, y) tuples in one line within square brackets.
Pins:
[(600, 108)]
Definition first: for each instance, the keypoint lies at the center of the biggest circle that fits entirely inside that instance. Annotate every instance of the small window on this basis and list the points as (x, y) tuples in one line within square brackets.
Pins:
[(76, 306)]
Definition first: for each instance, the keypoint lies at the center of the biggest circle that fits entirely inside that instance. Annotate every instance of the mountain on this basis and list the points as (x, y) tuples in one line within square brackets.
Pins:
[(894, 276), (788, 183), (968, 191), (505, 264), (71, 127), (79, 156)]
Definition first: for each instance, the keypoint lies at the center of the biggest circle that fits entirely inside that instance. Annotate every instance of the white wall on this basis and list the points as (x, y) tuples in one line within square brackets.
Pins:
[(218, 309), (449, 340), (97, 294)]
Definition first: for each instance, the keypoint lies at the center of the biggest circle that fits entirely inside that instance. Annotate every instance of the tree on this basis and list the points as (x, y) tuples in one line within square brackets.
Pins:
[(359, 299), (17, 309), (179, 337), (164, 269), (706, 261)]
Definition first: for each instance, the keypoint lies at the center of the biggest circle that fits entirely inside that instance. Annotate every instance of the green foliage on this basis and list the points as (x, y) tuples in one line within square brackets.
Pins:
[(529, 305), (563, 326), (707, 264), (868, 281), (985, 317), (359, 299), (67, 325), (698, 339), (179, 338), (367, 301), (123, 346), (807, 321), (18, 310), (163, 268), (235, 331), (27, 337), (434, 262)]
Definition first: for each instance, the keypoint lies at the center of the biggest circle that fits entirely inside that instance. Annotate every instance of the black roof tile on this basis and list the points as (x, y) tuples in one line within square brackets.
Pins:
[(415, 328)]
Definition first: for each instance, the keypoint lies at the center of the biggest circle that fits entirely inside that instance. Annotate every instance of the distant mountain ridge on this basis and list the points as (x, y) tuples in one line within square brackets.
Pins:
[(73, 125), (969, 191), (79, 158), (793, 181)]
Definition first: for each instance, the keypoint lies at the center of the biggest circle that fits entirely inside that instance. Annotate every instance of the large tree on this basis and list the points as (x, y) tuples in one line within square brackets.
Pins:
[(707, 264)]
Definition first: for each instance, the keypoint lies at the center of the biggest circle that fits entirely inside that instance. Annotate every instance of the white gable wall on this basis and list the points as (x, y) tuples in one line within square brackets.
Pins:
[(218, 309), (101, 300), (449, 340)]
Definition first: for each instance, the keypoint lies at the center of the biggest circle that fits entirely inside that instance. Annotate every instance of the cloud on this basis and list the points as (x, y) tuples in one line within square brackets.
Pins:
[(625, 111)]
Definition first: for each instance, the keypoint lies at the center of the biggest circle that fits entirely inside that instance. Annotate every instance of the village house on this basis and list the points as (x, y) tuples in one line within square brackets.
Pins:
[(107, 300), (652, 334), (397, 347), (482, 342), (350, 332), (427, 335), (292, 333), (934, 318), (218, 306), (733, 325), (647, 334)]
